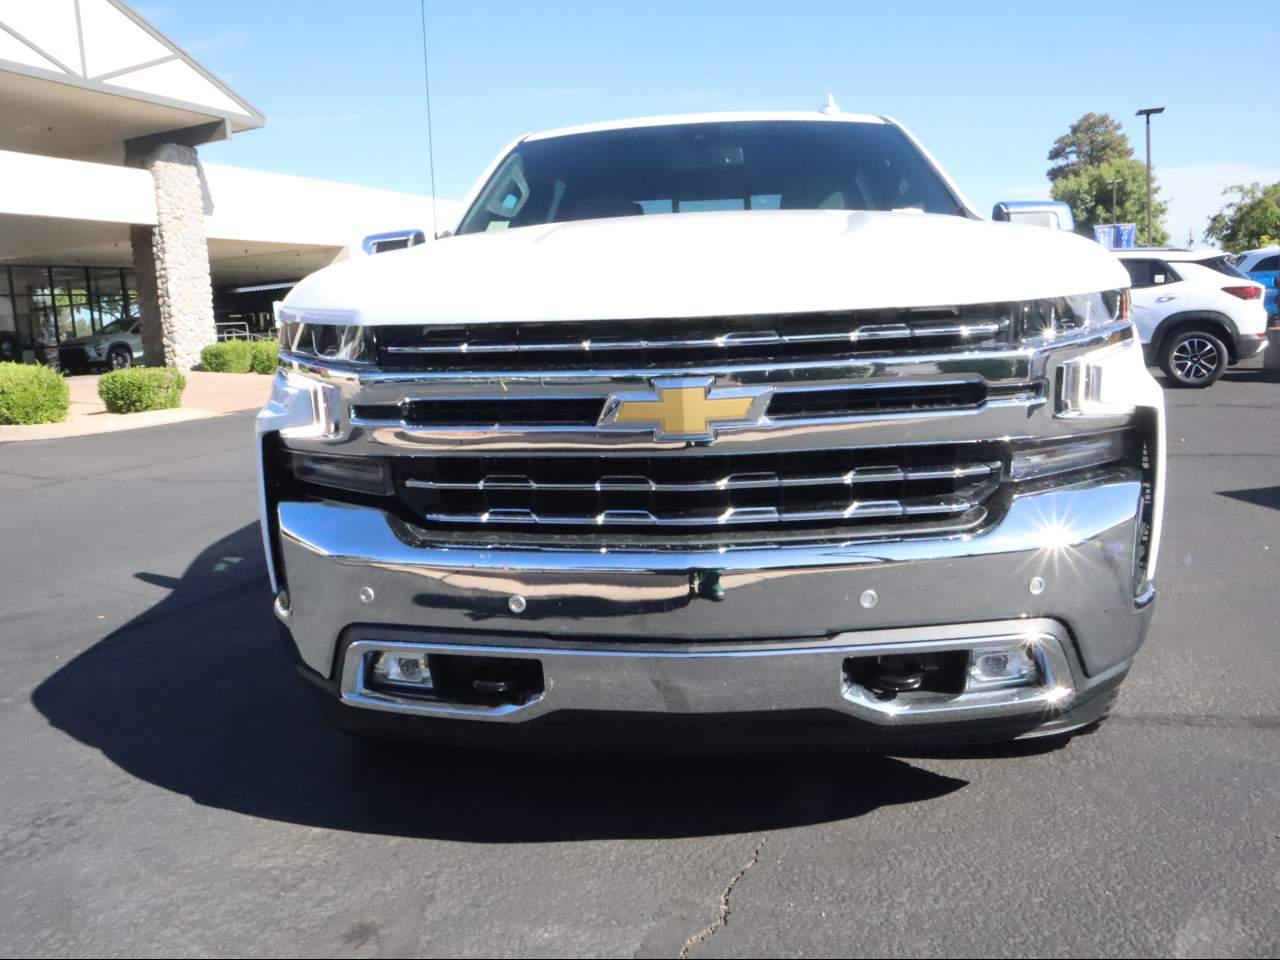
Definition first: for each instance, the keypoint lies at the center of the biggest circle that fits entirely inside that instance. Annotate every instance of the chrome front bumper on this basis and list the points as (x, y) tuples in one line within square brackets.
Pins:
[(738, 678), (628, 631)]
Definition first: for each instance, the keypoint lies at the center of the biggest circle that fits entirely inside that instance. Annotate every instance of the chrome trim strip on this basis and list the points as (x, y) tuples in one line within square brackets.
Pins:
[(1040, 521), (879, 331), (1032, 395), (1017, 363), (729, 516), (1012, 422), (569, 437), (739, 481), (597, 386)]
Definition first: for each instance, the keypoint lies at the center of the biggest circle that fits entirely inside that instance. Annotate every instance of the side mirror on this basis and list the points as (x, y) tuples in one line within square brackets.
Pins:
[(1044, 213), (393, 240)]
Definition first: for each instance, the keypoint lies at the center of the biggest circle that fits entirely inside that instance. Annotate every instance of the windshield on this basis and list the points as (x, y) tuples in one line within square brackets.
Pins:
[(731, 165)]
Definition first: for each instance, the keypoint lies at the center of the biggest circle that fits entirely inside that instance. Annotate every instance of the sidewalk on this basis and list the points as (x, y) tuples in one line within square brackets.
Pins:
[(207, 395)]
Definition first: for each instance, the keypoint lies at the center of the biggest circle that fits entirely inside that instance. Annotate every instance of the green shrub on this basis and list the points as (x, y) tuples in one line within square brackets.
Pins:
[(229, 356), (32, 394), (141, 388), (264, 356)]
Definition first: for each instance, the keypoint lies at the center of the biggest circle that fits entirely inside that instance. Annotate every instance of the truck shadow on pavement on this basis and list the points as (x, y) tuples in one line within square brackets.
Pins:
[(198, 695), (1251, 373), (1257, 496)]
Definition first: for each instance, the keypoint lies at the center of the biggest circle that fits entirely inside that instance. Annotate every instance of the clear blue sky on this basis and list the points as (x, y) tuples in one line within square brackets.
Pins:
[(986, 85)]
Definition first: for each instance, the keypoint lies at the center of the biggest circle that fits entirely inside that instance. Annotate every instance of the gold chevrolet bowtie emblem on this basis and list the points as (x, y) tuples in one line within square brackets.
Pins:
[(685, 409)]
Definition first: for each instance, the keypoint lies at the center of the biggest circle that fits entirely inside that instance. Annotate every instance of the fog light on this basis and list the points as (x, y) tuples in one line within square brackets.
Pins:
[(994, 667), (402, 670)]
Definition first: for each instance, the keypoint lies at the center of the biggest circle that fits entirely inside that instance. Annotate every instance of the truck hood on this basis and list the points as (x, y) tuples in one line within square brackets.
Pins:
[(710, 264)]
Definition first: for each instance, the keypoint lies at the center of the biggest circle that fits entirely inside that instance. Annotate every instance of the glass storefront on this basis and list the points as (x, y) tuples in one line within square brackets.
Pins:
[(43, 306)]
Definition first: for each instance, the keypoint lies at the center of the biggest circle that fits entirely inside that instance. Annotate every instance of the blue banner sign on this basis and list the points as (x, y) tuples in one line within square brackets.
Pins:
[(1116, 236)]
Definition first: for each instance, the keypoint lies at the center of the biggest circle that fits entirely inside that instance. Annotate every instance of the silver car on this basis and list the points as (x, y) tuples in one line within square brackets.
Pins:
[(115, 346)]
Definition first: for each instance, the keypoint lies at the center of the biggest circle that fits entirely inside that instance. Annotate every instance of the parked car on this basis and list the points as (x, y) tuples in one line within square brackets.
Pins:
[(1196, 312), (1263, 265), (114, 346), (680, 446)]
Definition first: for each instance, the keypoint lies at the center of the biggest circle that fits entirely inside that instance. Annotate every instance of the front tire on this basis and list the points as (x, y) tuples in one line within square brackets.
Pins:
[(119, 357), (1193, 358)]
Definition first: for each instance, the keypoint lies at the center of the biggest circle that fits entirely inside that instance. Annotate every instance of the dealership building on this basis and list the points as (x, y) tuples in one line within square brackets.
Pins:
[(107, 213)]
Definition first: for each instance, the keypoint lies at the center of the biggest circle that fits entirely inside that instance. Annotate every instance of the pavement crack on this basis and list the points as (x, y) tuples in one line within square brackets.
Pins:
[(52, 481), (46, 481), (723, 909)]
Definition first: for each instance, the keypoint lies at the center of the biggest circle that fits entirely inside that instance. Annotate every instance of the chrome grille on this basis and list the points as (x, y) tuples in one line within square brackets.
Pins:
[(807, 488), (689, 341)]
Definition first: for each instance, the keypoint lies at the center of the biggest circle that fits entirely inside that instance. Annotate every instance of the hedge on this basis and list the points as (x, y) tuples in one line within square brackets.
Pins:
[(265, 356), (229, 356), (241, 356), (32, 394), (141, 388)]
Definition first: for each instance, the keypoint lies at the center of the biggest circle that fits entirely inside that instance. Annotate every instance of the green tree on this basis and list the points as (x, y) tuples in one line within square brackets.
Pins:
[(1093, 140), (1252, 220), (1093, 151), (1088, 192)]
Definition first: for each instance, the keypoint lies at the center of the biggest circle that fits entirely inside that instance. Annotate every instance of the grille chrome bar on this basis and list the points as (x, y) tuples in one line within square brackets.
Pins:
[(684, 342), (749, 481), (952, 505), (844, 487), (520, 411), (895, 331)]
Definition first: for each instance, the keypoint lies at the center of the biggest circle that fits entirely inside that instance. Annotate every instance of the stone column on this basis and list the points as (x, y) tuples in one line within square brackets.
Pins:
[(144, 269), (171, 260)]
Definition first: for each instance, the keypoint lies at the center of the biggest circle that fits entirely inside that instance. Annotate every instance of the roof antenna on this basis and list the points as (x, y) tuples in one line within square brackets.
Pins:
[(431, 154), (830, 106)]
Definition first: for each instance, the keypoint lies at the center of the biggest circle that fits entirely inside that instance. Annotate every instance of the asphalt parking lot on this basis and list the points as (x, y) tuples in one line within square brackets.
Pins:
[(168, 788)]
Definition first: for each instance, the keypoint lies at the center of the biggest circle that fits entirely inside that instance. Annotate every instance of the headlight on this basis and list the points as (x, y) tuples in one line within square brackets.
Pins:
[(1033, 461), (357, 474), (1043, 321), (305, 337)]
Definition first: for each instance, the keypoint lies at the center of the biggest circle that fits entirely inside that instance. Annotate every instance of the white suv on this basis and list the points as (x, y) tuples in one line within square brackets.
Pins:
[(1196, 313)]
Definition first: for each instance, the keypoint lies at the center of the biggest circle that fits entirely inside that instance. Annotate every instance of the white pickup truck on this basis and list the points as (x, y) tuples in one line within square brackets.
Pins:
[(678, 439)]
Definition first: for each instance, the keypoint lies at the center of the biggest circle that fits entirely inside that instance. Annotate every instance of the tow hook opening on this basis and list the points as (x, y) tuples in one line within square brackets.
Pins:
[(889, 675), (460, 679)]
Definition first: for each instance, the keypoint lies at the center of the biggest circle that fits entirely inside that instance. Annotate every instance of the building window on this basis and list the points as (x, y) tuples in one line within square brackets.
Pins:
[(108, 296), (41, 306), (9, 346), (33, 312), (71, 301)]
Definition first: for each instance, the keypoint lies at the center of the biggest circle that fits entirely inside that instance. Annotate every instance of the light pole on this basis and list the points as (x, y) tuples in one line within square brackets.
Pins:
[(1115, 217), (1147, 112)]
